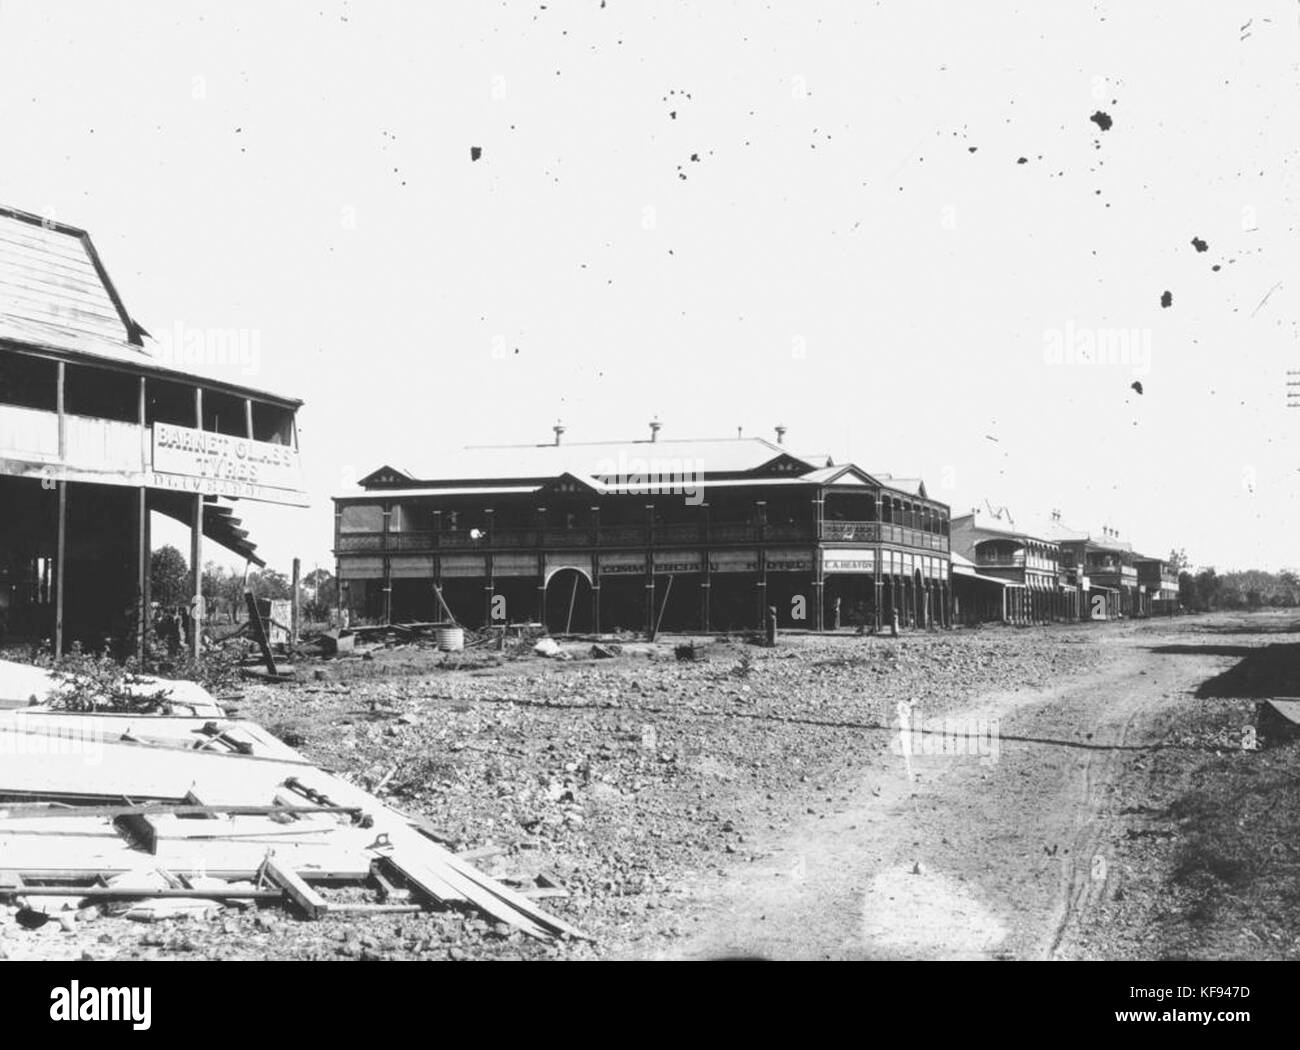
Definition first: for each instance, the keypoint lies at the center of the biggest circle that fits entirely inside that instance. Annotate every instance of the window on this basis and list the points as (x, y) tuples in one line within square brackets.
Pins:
[(30, 382), (361, 517)]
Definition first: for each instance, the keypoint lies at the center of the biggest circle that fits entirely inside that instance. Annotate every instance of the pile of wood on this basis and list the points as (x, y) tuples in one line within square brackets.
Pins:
[(152, 810)]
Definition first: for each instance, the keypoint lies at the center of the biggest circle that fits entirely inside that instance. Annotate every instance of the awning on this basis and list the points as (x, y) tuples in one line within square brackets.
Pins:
[(968, 574), (219, 524)]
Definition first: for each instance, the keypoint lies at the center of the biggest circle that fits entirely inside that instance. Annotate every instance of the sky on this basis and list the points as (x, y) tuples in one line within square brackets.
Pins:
[(895, 228)]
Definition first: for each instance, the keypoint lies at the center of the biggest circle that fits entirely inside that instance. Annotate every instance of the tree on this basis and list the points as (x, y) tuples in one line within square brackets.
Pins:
[(1208, 587), (169, 577), (320, 591), (223, 591), (1178, 560), (270, 584)]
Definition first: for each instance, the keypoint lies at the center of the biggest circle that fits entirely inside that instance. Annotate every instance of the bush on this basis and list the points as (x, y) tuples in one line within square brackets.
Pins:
[(87, 682)]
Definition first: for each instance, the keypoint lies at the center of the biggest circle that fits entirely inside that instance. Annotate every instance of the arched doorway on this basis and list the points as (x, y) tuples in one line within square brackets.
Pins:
[(569, 607)]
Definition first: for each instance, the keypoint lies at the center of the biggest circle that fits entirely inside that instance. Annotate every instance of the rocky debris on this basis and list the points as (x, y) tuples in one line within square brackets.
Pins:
[(617, 778)]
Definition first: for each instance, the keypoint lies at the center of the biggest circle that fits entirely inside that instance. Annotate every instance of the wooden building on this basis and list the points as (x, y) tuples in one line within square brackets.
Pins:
[(1158, 587), (97, 432), (1101, 566), (636, 535), (1037, 591)]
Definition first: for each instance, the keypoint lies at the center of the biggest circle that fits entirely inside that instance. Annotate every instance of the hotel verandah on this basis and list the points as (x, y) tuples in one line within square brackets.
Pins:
[(635, 535)]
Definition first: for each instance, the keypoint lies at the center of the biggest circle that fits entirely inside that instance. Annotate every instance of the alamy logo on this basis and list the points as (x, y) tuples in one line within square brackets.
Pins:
[(75, 1003), (214, 348), (950, 736), (1103, 347), (656, 476)]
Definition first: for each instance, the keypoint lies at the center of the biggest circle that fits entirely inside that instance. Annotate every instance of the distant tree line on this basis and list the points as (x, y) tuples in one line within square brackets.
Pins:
[(1206, 590), (223, 588)]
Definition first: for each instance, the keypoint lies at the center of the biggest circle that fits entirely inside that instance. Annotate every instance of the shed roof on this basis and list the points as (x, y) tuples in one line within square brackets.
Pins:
[(56, 296)]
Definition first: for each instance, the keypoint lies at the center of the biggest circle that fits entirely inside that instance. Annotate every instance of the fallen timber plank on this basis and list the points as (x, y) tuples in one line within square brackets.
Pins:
[(28, 811), (311, 902), (425, 880), (103, 727), (417, 858), (112, 892), (154, 832), (387, 891), (127, 771), (347, 873), (27, 852)]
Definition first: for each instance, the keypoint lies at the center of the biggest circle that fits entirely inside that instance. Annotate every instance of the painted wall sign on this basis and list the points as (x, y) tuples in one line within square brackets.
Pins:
[(780, 562), (856, 559), (621, 563), (677, 561), (222, 458), (230, 489), (733, 561)]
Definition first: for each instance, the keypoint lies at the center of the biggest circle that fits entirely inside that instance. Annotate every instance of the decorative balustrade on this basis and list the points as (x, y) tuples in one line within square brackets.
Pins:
[(664, 535)]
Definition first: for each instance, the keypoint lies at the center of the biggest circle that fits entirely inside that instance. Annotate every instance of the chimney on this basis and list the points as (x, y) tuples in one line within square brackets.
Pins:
[(654, 429), (559, 430), (780, 434)]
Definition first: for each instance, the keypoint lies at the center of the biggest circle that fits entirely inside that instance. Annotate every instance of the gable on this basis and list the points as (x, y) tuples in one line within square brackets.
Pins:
[(385, 475), (567, 485), (783, 466)]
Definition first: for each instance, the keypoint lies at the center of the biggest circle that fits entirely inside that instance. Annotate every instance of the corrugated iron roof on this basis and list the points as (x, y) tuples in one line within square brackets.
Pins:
[(911, 486), (600, 458), (50, 274), (56, 295)]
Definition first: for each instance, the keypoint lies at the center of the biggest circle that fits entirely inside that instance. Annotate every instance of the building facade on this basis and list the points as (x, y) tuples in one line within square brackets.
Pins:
[(641, 536), (1158, 587), (1030, 565), (97, 433)]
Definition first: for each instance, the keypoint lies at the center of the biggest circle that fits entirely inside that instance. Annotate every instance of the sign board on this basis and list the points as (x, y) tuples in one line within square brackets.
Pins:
[(204, 463), (733, 561), (793, 560), (621, 563), (677, 561), (849, 559)]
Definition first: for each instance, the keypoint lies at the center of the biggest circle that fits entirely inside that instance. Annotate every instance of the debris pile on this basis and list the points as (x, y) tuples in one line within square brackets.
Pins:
[(155, 815)]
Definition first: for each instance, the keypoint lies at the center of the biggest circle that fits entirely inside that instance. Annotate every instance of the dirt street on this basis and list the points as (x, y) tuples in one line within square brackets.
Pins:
[(1076, 791), (955, 856)]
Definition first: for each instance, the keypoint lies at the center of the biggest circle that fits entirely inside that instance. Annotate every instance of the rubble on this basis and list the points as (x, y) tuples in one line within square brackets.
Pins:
[(166, 816)]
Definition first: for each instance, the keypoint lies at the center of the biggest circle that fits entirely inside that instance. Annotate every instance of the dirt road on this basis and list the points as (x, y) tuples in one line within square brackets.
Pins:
[(992, 854), (1072, 791)]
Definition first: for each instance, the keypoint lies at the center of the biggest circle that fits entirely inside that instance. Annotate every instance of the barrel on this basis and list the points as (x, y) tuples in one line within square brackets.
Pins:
[(450, 639)]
